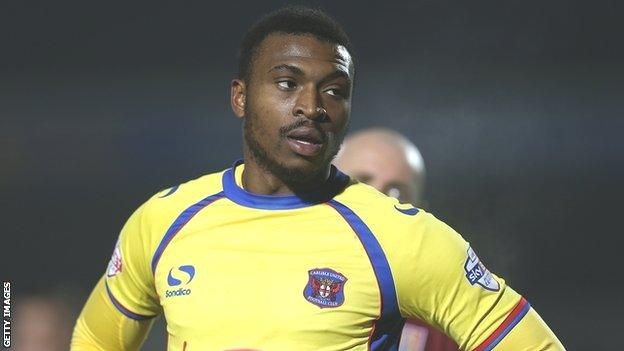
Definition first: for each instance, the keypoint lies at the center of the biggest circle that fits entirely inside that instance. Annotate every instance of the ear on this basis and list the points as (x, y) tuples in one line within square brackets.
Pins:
[(238, 92)]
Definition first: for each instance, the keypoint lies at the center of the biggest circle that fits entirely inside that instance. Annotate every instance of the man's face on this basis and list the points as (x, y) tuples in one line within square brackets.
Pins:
[(297, 105)]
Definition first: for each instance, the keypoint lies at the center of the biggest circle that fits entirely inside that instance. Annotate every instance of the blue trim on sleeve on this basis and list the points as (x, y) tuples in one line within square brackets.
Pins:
[(180, 222), (334, 184), (171, 191), (512, 324), (409, 211), (388, 326), (123, 310)]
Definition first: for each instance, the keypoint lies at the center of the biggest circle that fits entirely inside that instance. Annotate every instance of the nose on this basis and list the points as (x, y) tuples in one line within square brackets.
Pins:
[(308, 105)]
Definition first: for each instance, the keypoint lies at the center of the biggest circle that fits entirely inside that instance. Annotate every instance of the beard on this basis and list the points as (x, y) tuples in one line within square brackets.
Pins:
[(266, 158)]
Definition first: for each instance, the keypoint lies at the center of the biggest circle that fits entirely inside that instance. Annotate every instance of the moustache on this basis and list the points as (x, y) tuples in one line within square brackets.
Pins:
[(283, 131)]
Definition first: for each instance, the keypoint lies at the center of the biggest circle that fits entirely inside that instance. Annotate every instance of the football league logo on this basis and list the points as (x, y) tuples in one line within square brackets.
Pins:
[(325, 287), (476, 273), (114, 265)]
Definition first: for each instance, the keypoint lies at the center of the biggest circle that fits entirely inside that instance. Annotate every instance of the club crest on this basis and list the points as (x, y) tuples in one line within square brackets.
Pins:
[(476, 273), (325, 287)]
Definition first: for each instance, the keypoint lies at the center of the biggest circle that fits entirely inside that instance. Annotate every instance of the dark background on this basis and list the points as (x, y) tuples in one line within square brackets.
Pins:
[(516, 107)]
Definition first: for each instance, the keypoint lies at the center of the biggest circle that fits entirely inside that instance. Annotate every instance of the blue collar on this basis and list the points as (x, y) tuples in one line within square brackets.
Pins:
[(334, 185)]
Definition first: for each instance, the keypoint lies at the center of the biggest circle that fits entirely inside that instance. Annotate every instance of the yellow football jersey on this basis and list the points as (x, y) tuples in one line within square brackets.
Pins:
[(336, 269)]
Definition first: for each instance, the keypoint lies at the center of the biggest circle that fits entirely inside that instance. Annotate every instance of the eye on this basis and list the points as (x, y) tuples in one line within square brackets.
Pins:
[(286, 84), (336, 92)]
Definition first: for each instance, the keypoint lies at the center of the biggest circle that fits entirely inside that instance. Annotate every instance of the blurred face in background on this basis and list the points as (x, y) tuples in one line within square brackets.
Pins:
[(41, 324), (387, 161)]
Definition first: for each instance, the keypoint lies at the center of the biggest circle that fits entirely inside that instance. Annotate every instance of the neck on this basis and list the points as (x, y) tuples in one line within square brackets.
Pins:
[(258, 180)]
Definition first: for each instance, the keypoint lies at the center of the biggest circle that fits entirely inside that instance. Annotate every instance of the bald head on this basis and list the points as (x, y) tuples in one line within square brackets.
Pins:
[(386, 160)]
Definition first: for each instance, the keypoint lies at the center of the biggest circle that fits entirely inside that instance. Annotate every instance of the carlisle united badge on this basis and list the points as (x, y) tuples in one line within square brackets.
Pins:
[(115, 266), (476, 273), (325, 287)]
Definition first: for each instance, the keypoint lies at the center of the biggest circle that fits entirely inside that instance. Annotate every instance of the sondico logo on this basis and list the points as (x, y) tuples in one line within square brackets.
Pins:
[(185, 275)]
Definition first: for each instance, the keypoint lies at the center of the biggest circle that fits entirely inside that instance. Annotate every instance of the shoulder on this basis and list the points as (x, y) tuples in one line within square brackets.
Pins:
[(396, 225), (158, 213), (183, 195), (377, 208)]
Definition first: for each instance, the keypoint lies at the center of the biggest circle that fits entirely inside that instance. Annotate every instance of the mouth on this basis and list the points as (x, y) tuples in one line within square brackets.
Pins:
[(306, 141)]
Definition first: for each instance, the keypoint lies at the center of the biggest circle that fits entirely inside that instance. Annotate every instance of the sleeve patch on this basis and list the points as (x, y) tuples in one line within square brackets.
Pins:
[(476, 273), (115, 264)]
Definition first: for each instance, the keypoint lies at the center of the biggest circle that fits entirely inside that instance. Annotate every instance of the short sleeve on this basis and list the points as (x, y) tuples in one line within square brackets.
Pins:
[(129, 280), (448, 286)]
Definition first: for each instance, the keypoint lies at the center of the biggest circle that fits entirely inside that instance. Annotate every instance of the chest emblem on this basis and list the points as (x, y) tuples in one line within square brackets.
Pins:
[(325, 287), (180, 285)]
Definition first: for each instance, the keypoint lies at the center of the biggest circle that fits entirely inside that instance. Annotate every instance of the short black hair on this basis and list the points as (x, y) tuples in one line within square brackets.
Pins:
[(291, 20)]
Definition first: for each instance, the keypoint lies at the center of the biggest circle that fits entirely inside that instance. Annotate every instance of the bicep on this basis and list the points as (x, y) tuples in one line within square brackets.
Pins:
[(101, 326), (119, 311), (449, 287)]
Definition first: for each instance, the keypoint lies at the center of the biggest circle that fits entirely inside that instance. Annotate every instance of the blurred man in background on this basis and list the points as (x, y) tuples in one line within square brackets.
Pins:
[(388, 161), (43, 322)]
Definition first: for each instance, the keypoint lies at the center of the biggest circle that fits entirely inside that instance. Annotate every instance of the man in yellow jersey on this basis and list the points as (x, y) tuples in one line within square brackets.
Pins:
[(282, 251), (393, 165)]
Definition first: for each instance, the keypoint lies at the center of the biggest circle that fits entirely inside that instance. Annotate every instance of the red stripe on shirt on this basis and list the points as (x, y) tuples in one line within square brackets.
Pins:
[(514, 313)]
